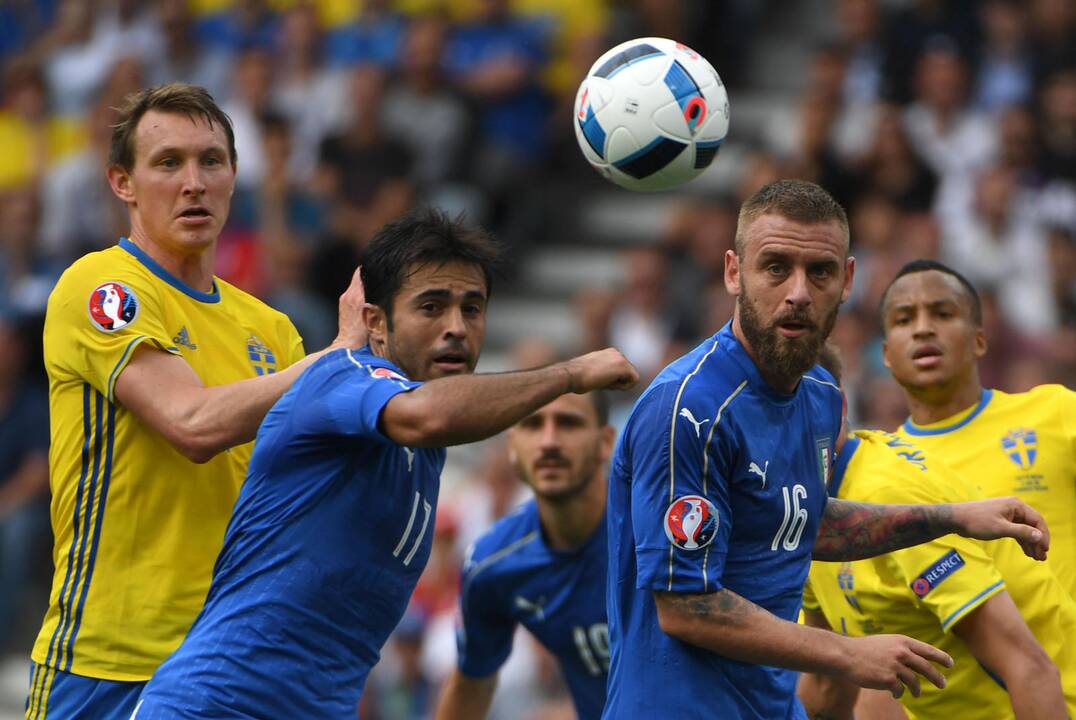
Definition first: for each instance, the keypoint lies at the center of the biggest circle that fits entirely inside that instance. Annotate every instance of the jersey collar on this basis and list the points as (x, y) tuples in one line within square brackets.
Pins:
[(154, 267), (950, 424)]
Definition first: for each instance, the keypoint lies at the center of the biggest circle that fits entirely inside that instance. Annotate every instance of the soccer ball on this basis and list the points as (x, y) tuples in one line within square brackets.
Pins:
[(651, 114)]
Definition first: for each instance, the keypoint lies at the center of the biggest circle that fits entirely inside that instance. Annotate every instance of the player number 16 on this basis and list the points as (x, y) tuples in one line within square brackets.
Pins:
[(788, 535)]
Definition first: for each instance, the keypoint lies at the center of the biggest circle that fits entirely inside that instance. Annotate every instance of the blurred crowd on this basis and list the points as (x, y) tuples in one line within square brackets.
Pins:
[(947, 128)]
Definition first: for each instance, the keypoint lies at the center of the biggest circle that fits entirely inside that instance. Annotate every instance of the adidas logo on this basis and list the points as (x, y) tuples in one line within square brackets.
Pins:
[(184, 338)]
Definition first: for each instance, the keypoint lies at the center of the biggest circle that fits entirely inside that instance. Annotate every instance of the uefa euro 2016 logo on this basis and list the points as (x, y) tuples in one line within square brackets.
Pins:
[(691, 522), (1021, 445), (112, 306)]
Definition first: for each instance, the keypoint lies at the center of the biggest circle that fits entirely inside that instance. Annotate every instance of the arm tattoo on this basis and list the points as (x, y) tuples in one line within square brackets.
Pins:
[(854, 531), (722, 606)]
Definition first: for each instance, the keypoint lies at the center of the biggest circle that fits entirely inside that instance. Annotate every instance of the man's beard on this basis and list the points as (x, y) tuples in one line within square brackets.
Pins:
[(784, 359), (576, 485)]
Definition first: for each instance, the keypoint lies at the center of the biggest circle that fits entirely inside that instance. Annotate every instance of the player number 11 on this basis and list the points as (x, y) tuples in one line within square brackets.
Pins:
[(788, 535)]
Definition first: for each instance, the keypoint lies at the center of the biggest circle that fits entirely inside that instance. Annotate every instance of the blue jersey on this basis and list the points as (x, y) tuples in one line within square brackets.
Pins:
[(718, 481), (331, 531), (512, 577)]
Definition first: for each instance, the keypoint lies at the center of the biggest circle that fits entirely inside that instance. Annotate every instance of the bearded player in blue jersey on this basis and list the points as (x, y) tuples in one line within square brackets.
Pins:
[(333, 524), (544, 565), (717, 496)]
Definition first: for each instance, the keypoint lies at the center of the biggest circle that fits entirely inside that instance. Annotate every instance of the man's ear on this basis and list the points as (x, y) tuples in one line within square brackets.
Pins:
[(121, 183), (376, 324), (732, 273)]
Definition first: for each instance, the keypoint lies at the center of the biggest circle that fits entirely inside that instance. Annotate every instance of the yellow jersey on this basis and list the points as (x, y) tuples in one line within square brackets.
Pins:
[(925, 590), (1021, 444), (137, 526)]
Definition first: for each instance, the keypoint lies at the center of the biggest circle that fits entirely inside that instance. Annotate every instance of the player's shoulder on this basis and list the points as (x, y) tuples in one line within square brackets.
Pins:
[(492, 553), (100, 267), (1051, 394), (358, 364), (819, 381), (247, 305), (707, 374), (889, 468)]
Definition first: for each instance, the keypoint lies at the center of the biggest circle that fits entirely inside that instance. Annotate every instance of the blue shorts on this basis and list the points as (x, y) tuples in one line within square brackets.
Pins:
[(57, 695)]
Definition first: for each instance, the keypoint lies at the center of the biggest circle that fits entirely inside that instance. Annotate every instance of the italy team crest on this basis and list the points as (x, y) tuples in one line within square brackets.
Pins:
[(1021, 445), (112, 306), (691, 522)]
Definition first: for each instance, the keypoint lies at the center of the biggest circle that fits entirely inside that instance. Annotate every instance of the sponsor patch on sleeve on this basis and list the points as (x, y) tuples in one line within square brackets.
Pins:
[(945, 566)]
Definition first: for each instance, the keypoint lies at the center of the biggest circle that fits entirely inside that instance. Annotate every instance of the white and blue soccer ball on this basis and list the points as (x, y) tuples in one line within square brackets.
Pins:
[(651, 114)]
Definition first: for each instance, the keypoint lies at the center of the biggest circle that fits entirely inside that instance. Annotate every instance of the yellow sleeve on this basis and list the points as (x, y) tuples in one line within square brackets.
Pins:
[(950, 576), (1067, 401), (810, 600), (95, 320)]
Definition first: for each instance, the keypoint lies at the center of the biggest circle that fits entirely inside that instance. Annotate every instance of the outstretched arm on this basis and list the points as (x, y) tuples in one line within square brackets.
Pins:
[(854, 530), (164, 392), (735, 627), (467, 408)]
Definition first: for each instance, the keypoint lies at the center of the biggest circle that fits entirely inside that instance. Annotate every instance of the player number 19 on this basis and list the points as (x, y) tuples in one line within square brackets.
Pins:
[(788, 535), (593, 645)]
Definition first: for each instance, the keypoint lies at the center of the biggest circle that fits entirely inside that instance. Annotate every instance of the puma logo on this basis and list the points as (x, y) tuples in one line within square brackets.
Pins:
[(537, 608), (685, 413), (760, 471)]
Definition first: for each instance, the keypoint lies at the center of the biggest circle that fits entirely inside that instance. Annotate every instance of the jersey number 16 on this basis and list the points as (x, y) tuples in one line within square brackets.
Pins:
[(788, 535)]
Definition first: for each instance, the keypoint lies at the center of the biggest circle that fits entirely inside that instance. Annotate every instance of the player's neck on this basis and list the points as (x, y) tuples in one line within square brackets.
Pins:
[(193, 269), (932, 405), (569, 524)]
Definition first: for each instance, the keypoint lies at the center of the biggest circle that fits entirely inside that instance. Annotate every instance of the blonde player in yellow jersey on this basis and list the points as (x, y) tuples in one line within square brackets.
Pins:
[(159, 375), (1004, 618), (1021, 444)]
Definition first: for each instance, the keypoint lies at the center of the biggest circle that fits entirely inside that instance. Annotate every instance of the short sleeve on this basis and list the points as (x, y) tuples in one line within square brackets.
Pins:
[(484, 634), (94, 323), (680, 508), (344, 392), (810, 600), (293, 341), (950, 576)]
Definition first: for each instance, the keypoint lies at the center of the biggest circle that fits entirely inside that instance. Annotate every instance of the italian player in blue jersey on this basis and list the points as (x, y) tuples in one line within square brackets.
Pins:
[(332, 528), (717, 496), (543, 566)]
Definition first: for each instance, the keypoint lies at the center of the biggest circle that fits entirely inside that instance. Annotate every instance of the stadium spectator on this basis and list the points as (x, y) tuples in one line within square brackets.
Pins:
[(252, 87), (24, 482), (313, 98), (1000, 244), (184, 56), (1005, 75), (375, 36), (1057, 109), (496, 60), (423, 112)]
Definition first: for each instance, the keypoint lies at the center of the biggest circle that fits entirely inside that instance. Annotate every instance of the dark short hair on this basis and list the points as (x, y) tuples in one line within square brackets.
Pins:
[(422, 236), (177, 98), (798, 200), (922, 265)]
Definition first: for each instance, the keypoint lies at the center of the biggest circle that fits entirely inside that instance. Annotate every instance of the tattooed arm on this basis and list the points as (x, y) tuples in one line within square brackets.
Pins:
[(732, 626), (853, 530)]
